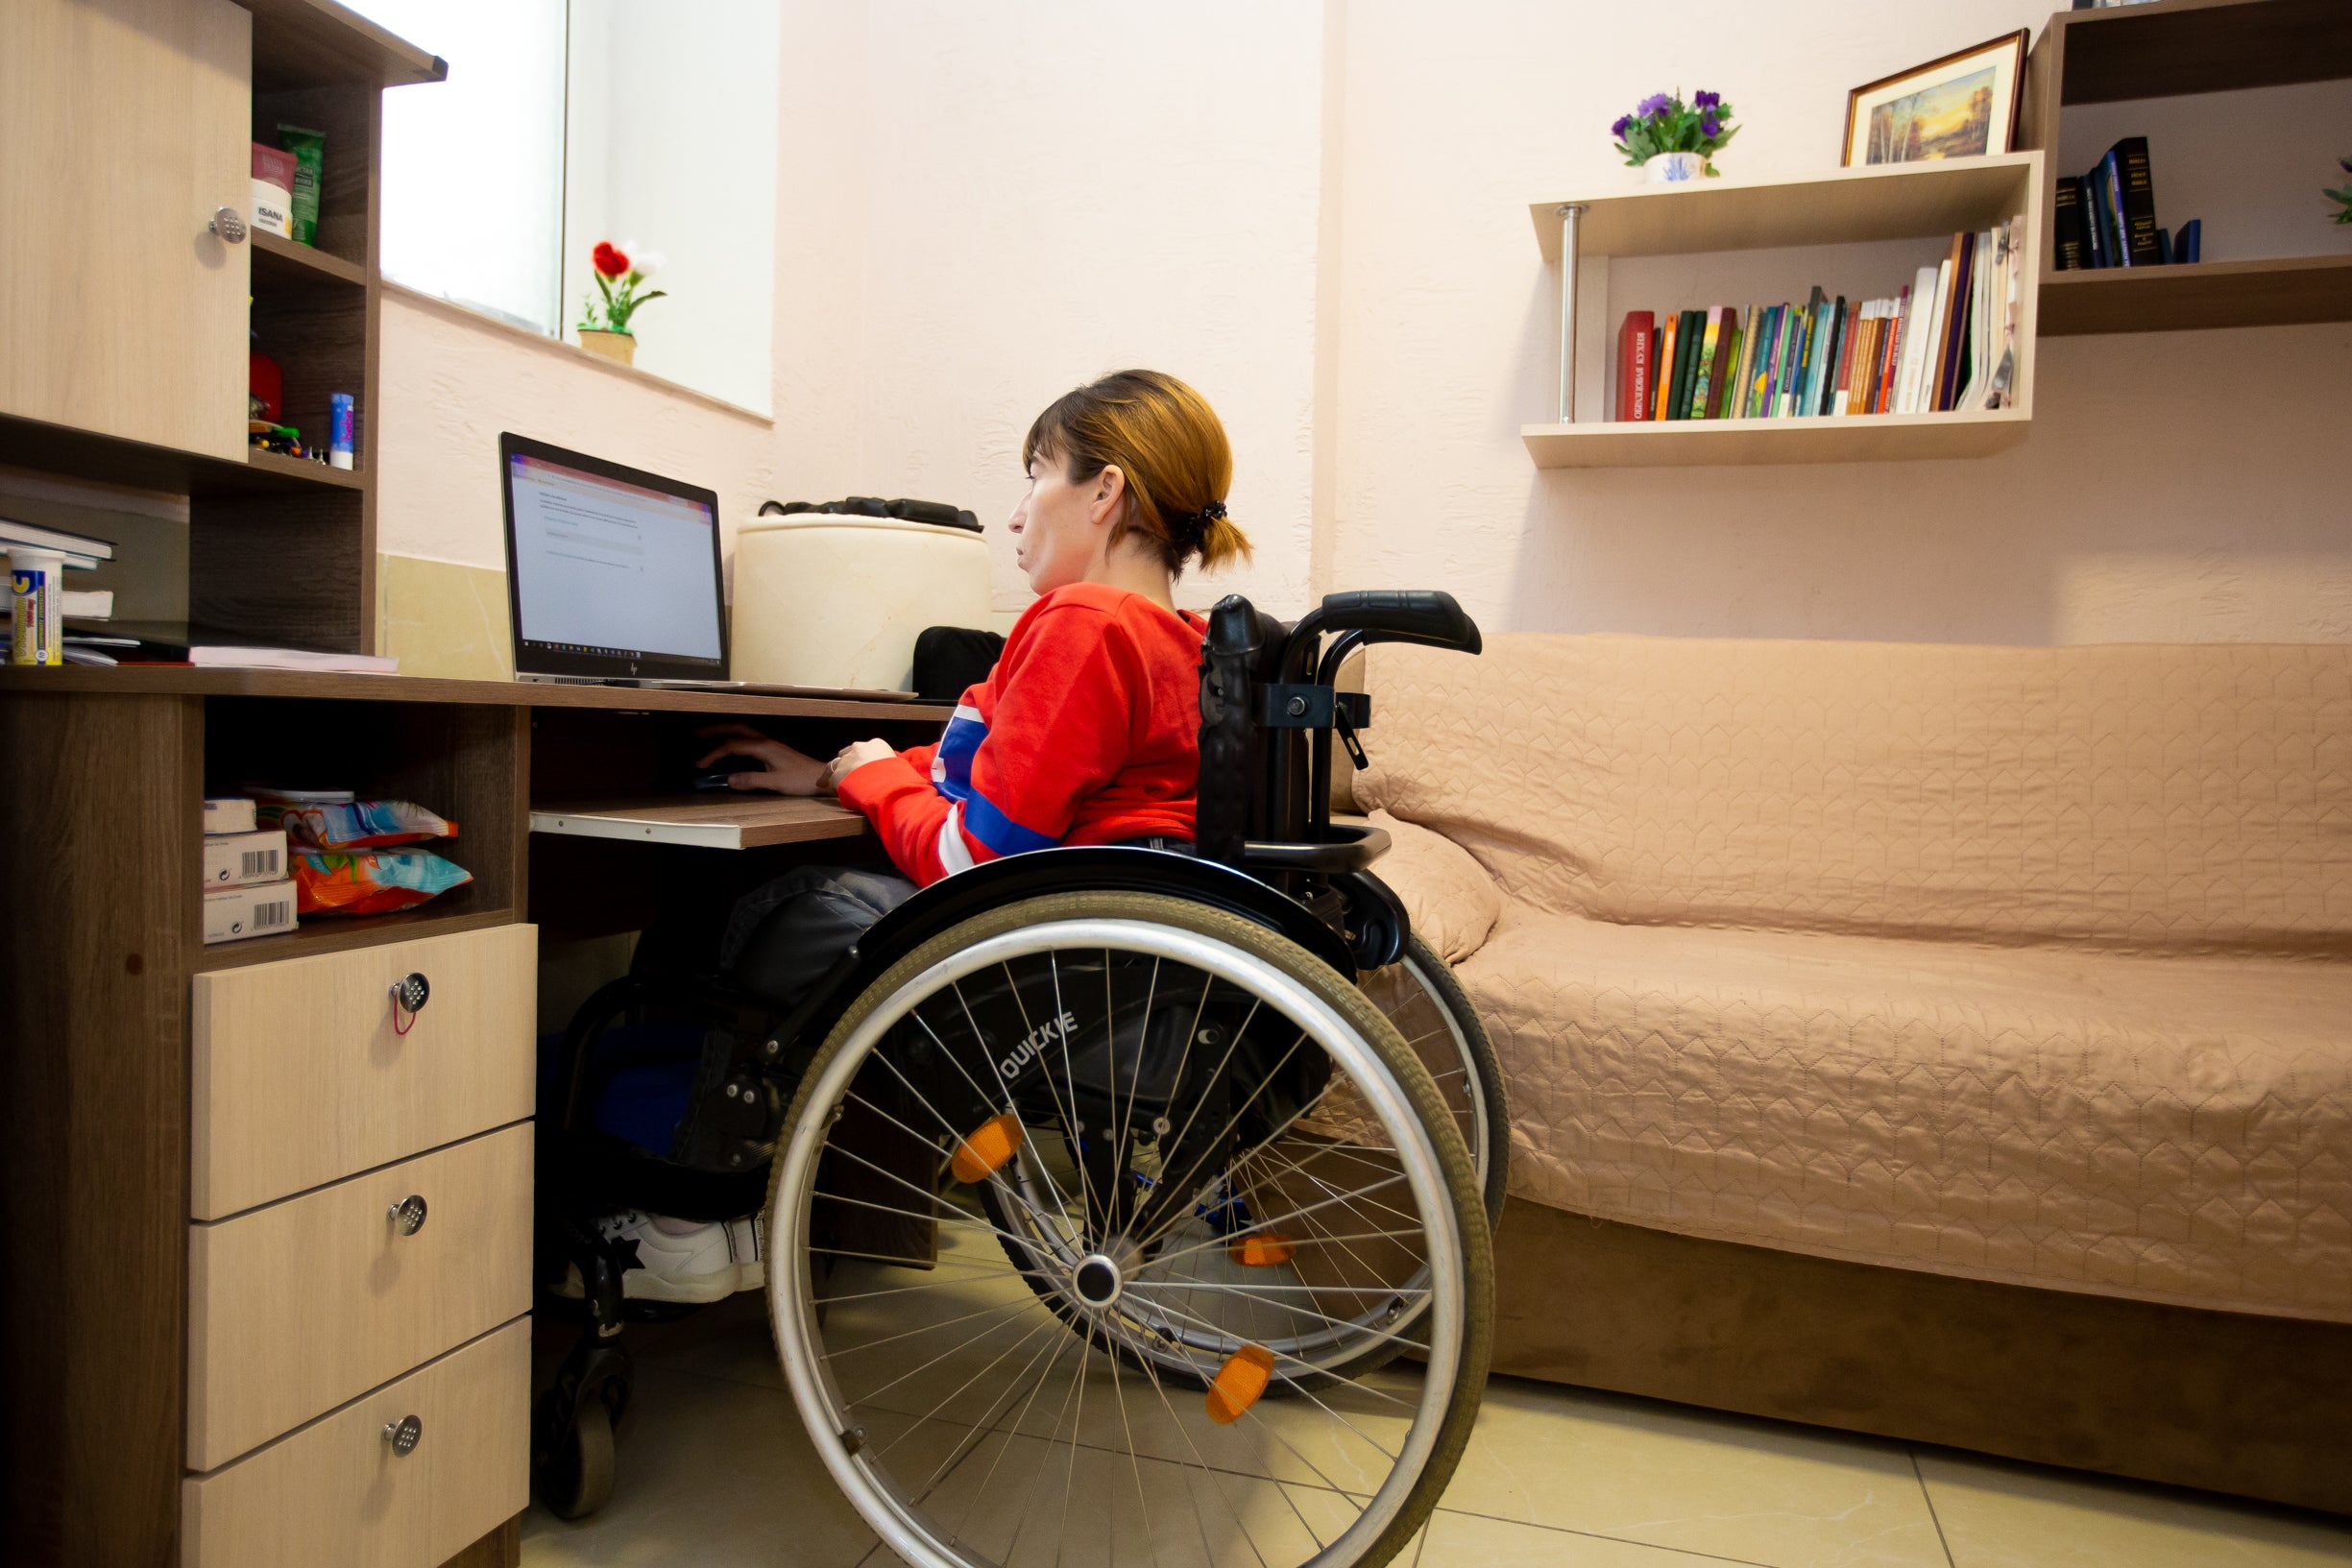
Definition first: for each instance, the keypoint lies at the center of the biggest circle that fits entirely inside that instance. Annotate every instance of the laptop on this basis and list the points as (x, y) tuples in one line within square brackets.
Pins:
[(613, 576)]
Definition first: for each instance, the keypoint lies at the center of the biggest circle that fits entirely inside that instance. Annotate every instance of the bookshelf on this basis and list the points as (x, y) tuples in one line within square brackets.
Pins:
[(1837, 207), (2167, 49), (134, 373)]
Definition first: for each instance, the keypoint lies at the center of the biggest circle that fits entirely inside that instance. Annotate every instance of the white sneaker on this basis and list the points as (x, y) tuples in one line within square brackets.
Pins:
[(743, 1244), (693, 1268)]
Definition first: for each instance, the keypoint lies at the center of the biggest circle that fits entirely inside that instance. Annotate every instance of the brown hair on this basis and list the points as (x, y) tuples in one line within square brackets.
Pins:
[(1171, 447)]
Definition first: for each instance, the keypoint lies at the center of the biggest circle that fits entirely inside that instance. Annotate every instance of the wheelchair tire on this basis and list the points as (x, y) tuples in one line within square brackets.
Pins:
[(1419, 995), (885, 1293), (576, 1476)]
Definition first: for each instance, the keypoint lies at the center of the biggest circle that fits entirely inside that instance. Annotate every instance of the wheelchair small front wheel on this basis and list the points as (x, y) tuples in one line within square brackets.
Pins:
[(1105, 1285)]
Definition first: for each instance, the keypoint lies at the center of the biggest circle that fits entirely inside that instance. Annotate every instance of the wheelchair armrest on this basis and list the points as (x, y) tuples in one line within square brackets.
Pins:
[(1424, 616), (1348, 849)]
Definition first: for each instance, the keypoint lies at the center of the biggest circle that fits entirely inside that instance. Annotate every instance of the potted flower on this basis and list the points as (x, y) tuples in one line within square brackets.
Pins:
[(1671, 141), (605, 331), (2343, 197)]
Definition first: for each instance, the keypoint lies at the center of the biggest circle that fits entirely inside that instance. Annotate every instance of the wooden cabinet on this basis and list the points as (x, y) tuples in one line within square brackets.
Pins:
[(303, 1072), (341, 1492), (125, 124), (296, 1307)]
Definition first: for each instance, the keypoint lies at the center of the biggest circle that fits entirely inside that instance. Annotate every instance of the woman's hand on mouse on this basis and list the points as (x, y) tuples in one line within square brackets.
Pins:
[(853, 757), (784, 770)]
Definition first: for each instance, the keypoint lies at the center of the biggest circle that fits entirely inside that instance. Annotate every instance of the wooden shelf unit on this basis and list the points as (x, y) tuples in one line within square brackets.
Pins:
[(1644, 443), (1836, 206), (718, 821), (285, 263), (2170, 49), (151, 393), (2281, 291)]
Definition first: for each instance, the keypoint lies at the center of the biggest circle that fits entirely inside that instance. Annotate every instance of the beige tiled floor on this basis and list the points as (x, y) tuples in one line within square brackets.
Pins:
[(716, 1472)]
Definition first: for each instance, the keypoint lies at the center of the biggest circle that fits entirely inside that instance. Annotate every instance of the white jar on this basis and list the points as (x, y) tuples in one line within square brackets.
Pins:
[(825, 599)]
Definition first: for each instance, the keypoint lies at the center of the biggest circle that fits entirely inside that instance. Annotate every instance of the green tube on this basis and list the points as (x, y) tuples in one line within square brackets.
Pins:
[(309, 150)]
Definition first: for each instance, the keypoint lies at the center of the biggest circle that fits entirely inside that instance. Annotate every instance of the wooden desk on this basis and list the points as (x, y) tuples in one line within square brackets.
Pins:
[(111, 1406)]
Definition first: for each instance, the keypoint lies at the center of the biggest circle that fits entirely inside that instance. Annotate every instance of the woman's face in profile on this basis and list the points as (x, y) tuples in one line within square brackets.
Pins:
[(1057, 533)]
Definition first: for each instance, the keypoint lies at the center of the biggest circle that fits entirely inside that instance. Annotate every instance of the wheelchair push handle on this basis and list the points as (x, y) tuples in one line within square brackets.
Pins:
[(1426, 615)]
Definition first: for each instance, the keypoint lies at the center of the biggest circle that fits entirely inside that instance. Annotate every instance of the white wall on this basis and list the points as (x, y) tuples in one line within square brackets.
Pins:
[(451, 383), (672, 144), (1006, 201), (2175, 485), (1316, 210)]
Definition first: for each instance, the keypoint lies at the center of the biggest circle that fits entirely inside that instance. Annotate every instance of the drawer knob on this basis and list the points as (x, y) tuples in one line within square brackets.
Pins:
[(229, 224), (407, 1215), (404, 1435), (409, 995)]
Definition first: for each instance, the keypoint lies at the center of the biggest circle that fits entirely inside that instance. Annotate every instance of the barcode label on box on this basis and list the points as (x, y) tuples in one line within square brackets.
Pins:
[(232, 860), (233, 913)]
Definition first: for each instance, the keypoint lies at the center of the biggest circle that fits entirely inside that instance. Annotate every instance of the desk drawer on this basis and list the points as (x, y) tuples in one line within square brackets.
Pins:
[(301, 1078), (337, 1493), (295, 1308)]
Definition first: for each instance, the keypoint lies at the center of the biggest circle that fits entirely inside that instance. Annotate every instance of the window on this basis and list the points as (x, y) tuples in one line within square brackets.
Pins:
[(564, 122)]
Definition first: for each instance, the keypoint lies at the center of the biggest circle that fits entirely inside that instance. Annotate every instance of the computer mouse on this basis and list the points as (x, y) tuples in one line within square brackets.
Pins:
[(720, 778)]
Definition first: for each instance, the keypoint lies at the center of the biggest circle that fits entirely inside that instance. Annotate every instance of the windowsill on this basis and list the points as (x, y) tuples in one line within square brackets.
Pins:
[(572, 352)]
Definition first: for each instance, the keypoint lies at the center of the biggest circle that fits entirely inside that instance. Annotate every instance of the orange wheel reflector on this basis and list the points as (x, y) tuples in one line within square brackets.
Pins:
[(1238, 1383), (986, 1148), (1262, 1249)]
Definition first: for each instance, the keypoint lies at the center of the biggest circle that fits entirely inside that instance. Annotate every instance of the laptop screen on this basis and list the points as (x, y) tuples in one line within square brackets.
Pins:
[(612, 571)]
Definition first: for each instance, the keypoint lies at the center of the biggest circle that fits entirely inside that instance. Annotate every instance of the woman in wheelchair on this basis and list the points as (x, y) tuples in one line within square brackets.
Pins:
[(1110, 1186)]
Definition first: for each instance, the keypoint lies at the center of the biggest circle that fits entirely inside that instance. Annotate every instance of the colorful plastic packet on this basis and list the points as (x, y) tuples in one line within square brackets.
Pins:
[(354, 825), (370, 881)]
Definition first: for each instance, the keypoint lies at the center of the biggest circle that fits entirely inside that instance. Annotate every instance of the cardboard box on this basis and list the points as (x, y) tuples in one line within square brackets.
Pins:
[(234, 913), (235, 859), (229, 814)]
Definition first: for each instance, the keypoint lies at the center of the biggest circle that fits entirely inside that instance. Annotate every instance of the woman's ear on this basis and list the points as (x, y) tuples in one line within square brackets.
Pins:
[(1110, 496)]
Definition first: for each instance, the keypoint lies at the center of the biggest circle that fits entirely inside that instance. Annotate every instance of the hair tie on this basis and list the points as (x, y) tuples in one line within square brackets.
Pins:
[(1192, 528)]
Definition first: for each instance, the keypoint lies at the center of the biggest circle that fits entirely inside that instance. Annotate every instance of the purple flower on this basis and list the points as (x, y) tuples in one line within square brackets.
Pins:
[(1618, 130), (1709, 125), (1658, 103), (1706, 100)]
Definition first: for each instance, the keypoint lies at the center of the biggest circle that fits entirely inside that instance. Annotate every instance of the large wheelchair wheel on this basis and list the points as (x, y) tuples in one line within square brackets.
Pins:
[(1107, 1284), (1419, 995)]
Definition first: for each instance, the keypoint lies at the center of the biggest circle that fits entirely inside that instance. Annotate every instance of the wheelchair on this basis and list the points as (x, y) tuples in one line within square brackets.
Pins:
[(1120, 1203)]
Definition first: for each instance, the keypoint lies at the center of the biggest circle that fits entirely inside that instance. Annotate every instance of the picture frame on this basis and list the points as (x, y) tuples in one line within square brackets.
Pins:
[(1961, 106)]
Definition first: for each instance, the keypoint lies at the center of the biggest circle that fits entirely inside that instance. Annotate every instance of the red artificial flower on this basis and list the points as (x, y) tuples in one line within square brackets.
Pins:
[(609, 261)]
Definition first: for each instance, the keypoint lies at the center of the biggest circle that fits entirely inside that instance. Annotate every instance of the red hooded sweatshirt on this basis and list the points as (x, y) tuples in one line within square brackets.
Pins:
[(1087, 732)]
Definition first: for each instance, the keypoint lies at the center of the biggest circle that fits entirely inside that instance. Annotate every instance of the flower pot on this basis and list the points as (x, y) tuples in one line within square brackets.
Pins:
[(621, 348), (1673, 168)]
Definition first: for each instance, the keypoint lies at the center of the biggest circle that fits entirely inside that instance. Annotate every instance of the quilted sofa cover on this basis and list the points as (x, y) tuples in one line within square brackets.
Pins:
[(2025, 964)]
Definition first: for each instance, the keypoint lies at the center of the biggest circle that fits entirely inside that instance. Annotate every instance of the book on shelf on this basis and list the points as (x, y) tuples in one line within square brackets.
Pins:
[(1662, 362), (1726, 367), (2106, 217), (1703, 366), (1944, 342), (78, 550), (175, 643), (2136, 199), (1635, 342), (2189, 243), (2066, 226)]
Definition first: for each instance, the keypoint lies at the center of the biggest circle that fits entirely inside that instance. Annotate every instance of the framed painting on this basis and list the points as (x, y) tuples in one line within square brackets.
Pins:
[(1961, 106)]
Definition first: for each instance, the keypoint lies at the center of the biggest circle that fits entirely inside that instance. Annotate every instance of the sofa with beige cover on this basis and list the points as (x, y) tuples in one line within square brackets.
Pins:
[(1951, 1043)]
